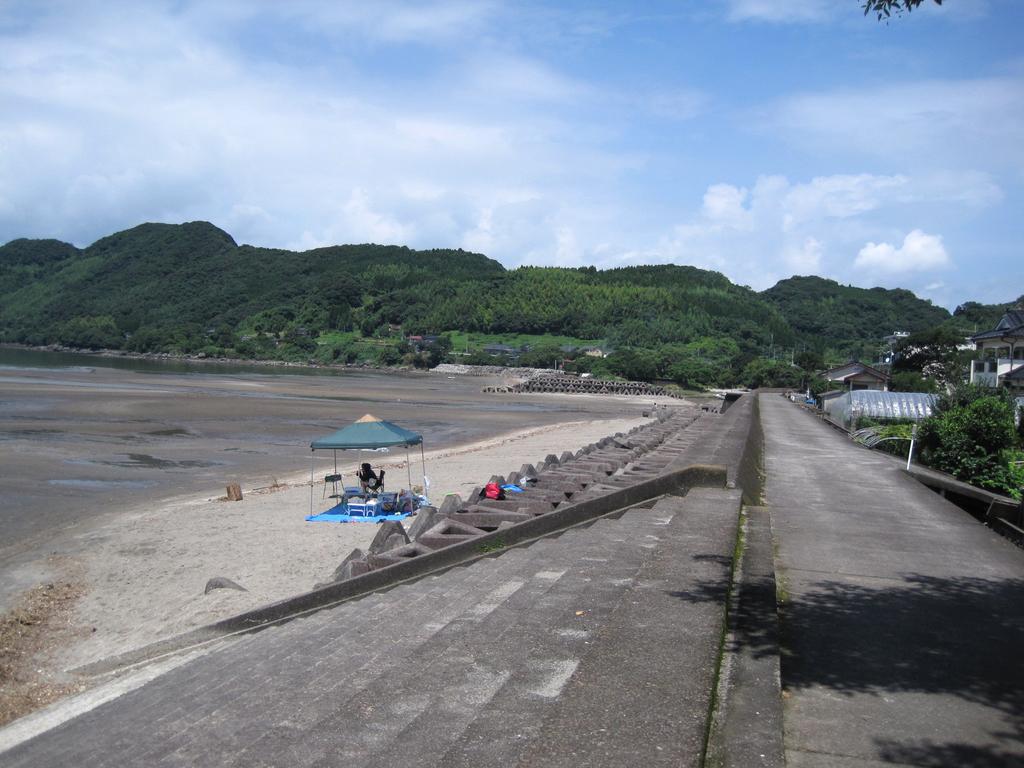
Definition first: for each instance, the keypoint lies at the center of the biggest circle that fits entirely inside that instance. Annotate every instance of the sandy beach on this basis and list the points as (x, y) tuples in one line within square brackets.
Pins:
[(116, 478), (144, 573)]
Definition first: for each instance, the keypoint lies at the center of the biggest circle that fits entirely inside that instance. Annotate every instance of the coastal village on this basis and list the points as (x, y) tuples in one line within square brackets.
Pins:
[(679, 457), (470, 383)]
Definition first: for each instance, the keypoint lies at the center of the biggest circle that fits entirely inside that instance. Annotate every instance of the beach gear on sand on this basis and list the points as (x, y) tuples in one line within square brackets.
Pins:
[(367, 434), (372, 509)]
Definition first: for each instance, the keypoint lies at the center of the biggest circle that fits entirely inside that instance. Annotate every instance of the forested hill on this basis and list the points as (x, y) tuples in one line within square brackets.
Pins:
[(190, 288), (184, 287), (162, 286), (823, 312)]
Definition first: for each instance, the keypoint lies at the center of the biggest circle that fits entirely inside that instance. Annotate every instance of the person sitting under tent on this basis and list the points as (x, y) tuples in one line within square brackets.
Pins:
[(369, 481)]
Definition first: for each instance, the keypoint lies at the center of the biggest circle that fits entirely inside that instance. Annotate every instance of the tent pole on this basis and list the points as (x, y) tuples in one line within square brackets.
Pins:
[(408, 467), (423, 466), (312, 464)]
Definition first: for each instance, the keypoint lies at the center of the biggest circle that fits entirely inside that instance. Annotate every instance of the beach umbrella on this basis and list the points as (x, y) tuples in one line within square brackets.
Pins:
[(368, 433)]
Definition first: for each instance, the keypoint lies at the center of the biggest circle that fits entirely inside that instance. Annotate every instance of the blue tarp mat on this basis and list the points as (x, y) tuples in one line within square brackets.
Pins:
[(343, 517)]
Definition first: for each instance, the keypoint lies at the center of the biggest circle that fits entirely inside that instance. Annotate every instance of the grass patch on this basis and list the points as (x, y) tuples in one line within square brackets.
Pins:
[(492, 546), (711, 752), (463, 341)]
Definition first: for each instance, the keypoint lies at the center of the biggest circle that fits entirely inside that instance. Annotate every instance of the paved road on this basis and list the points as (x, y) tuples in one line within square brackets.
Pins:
[(902, 617)]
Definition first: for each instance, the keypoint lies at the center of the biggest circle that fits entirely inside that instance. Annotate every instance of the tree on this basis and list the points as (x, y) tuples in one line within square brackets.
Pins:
[(970, 435), (91, 332), (544, 355), (886, 8), (934, 354), (810, 360), (771, 373), (693, 373), (634, 365), (911, 381)]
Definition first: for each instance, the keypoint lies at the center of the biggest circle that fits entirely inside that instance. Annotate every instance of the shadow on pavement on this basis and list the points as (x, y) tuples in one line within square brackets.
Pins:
[(961, 637)]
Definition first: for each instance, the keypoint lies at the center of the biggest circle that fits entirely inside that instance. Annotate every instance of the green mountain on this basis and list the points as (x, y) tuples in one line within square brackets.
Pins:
[(191, 288), (971, 317), (825, 314), (159, 286)]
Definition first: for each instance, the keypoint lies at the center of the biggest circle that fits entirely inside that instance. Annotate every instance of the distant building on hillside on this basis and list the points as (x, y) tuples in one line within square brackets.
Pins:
[(856, 375), (501, 350), (421, 342), (1000, 361), (894, 338)]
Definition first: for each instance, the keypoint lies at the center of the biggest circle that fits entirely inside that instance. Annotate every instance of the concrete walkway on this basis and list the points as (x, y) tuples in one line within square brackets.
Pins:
[(902, 618)]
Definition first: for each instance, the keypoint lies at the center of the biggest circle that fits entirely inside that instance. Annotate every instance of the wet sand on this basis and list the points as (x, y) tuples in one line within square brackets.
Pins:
[(76, 443), (102, 467)]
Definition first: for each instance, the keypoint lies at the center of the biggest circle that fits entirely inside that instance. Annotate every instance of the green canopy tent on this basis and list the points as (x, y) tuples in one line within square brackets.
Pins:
[(368, 433)]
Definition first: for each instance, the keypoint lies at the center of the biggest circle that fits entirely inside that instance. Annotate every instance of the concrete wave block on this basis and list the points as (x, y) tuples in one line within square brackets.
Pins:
[(390, 535), (425, 518), (448, 531), (353, 565), (452, 503), (401, 554)]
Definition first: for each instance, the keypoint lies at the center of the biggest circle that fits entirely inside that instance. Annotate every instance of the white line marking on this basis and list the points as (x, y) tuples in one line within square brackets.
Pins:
[(560, 673), (495, 599)]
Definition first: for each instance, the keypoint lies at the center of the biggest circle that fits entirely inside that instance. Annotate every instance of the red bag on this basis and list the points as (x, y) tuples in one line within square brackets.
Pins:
[(494, 491)]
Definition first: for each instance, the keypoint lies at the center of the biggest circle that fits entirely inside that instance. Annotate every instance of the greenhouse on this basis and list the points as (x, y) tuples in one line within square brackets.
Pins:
[(879, 406)]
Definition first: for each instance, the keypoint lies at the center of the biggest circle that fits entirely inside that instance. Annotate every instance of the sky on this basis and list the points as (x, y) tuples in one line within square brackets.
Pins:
[(758, 138)]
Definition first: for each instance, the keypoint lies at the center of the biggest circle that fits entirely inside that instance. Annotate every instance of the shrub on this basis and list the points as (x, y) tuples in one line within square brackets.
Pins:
[(971, 437)]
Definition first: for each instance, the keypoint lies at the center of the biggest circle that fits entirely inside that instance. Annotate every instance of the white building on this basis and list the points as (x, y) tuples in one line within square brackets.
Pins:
[(1000, 360)]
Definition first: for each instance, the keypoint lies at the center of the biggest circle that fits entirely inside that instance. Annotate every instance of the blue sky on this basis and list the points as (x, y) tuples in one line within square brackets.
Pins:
[(760, 138)]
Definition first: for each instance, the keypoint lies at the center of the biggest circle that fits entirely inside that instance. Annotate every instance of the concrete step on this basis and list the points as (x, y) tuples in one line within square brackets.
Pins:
[(642, 695), (329, 671), (156, 720), (424, 674), (525, 649), (401, 688)]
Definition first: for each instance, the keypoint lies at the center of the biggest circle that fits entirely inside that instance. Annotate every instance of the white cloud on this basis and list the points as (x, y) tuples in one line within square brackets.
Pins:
[(958, 124), (776, 11), (449, 123), (568, 252), (140, 117), (920, 252), (723, 204), (777, 228), (805, 259), (839, 196), (391, 21)]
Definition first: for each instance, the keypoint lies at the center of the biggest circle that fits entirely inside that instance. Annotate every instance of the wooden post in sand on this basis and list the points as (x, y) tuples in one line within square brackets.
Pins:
[(234, 492)]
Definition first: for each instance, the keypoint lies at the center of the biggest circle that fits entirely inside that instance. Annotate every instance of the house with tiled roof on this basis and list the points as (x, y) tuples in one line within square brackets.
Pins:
[(856, 375), (1000, 360)]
